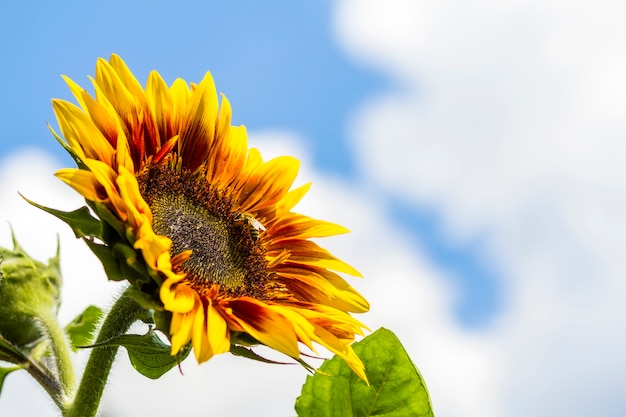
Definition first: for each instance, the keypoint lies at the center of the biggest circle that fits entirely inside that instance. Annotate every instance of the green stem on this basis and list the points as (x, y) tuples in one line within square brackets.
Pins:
[(62, 357), (87, 400)]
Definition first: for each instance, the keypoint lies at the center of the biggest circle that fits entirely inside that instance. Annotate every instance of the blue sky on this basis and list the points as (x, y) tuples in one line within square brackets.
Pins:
[(277, 62)]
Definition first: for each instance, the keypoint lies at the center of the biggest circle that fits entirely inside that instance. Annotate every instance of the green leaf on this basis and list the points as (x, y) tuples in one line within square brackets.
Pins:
[(148, 354), (81, 221), (396, 386), (80, 330), (6, 371)]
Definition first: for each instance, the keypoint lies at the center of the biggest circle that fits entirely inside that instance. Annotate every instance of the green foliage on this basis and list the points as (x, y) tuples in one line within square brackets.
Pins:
[(148, 354), (396, 387), (80, 330)]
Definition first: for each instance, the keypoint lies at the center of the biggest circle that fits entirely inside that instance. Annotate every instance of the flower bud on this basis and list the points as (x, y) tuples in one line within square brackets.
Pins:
[(28, 289)]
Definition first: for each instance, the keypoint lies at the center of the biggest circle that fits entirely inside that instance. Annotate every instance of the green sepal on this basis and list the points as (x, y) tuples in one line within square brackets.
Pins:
[(396, 387), (80, 331), (162, 320), (68, 149), (240, 344), (148, 354), (81, 221), (144, 299), (244, 339), (306, 366), (109, 219), (6, 371), (250, 354), (11, 353), (133, 269), (110, 263)]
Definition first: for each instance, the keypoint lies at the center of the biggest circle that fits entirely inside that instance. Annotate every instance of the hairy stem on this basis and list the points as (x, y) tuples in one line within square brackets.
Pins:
[(87, 400), (61, 352)]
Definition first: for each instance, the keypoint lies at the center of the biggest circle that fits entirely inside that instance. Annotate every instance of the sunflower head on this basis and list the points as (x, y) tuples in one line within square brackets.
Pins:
[(199, 223)]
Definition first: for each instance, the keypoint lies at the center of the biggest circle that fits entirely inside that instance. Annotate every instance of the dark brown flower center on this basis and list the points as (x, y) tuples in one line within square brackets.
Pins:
[(217, 254), (196, 217)]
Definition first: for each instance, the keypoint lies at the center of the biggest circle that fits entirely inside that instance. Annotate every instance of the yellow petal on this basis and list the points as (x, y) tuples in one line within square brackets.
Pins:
[(106, 177), (297, 226), (180, 330), (184, 299), (160, 103), (292, 198), (199, 338), (260, 321), (309, 253), (217, 330), (197, 130), (268, 183), (126, 76), (81, 134), (81, 180)]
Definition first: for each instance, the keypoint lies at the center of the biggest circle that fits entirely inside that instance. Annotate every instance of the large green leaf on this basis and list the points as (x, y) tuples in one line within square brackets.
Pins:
[(396, 387), (148, 354), (80, 330)]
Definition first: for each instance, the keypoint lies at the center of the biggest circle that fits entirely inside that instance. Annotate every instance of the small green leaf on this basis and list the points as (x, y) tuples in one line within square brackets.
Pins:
[(80, 330), (6, 371), (81, 221), (147, 353), (396, 386)]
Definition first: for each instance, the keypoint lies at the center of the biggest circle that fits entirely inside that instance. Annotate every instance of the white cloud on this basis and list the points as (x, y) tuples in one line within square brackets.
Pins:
[(509, 119)]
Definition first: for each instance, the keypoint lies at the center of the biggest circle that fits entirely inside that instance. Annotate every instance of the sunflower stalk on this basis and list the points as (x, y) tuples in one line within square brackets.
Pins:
[(122, 315)]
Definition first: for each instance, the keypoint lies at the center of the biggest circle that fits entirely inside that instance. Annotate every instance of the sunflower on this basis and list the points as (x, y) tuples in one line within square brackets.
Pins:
[(208, 219)]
